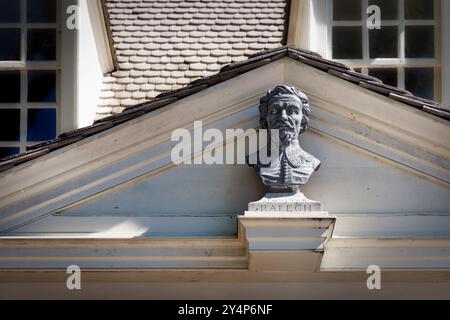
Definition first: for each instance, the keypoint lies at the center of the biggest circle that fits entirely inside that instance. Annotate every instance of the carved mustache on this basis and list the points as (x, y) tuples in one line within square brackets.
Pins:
[(283, 125)]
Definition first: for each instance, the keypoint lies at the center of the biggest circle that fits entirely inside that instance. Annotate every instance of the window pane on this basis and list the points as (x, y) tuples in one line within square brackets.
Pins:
[(10, 86), (9, 124), (9, 11), (41, 44), (347, 9), (41, 86), (347, 42), (10, 44), (41, 11), (419, 42), (387, 75), (8, 151), (389, 8), (383, 43), (420, 81), (419, 9), (41, 124)]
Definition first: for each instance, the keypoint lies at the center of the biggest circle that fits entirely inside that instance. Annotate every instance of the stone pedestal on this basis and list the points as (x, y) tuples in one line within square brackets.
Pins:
[(285, 231), (286, 204)]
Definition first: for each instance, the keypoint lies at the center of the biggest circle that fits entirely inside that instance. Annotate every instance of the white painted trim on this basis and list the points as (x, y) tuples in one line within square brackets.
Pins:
[(319, 26), (270, 243), (150, 134), (392, 226), (321, 41), (232, 277), (277, 242), (66, 226), (268, 231), (393, 254), (299, 24), (369, 121), (367, 138), (122, 254), (354, 225), (98, 20), (64, 65), (221, 285), (374, 122)]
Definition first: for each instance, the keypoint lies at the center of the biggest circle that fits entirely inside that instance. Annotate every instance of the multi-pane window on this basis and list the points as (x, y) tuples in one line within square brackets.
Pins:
[(29, 73), (402, 53)]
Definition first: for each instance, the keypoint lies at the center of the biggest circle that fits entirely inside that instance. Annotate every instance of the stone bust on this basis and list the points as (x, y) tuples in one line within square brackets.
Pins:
[(285, 108)]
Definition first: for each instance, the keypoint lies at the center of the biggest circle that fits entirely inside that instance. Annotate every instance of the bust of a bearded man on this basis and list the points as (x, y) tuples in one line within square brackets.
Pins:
[(285, 109)]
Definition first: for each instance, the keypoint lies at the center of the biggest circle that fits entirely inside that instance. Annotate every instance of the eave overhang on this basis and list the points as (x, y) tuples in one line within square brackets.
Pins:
[(137, 143)]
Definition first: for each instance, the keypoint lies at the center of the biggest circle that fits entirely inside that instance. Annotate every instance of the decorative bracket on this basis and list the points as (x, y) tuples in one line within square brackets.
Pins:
[(285, 241)]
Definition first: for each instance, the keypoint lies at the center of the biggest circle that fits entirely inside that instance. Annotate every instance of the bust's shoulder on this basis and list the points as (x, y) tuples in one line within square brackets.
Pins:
[(300, 158), (315, 163)]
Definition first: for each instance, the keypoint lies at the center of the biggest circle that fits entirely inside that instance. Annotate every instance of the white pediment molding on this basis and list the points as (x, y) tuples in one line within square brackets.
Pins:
[(348, 254), (284, 244), (141, 147), (138, 147), (374, 122)]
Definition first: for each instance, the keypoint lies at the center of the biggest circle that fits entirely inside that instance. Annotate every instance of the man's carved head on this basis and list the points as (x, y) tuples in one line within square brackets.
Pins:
[(286, 109)]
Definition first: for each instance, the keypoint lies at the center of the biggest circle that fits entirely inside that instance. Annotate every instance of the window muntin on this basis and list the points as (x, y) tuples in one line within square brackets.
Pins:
[(30, 73), (408, 43)]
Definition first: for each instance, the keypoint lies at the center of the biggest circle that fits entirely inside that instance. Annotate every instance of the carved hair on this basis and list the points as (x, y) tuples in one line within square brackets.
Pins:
[(279, 91)]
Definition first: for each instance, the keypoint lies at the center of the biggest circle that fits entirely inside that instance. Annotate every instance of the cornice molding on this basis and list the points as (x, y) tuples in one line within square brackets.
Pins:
[(141, 147)]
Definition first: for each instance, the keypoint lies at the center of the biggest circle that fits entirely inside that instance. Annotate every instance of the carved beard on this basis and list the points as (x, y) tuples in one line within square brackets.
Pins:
[(287, 136)]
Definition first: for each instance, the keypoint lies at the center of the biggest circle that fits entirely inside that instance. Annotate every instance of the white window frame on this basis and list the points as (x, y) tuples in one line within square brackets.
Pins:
[(64, 65), (401, 62)]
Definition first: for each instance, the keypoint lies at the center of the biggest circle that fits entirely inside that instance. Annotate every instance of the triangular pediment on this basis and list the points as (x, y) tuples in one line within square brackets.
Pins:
[(126, 171)]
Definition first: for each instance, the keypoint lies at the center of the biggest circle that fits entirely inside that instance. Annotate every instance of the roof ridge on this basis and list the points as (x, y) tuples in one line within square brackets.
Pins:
[(229, 71)]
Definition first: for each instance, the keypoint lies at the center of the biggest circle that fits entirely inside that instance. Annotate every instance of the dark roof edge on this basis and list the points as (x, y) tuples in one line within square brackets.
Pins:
[(229, 71)]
